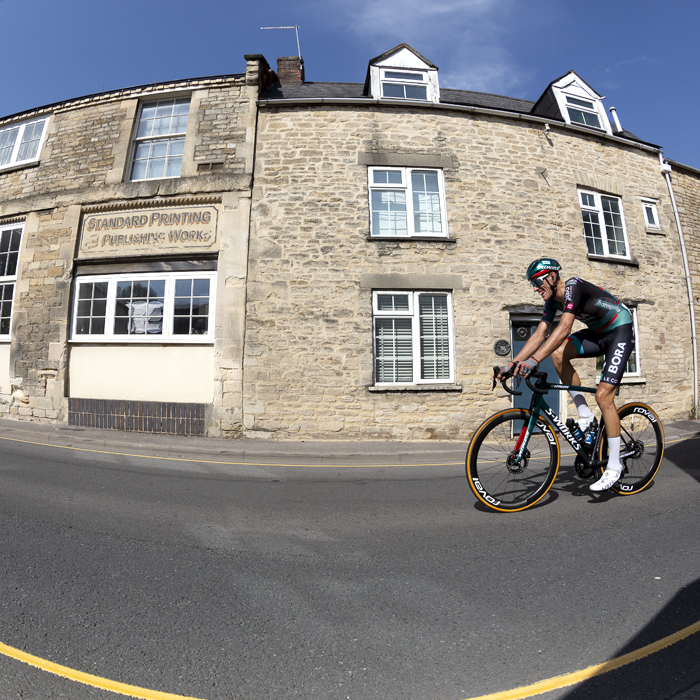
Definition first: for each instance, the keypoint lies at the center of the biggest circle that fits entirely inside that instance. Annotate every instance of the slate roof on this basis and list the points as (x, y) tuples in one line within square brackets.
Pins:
[(469, 98), (354, 90)]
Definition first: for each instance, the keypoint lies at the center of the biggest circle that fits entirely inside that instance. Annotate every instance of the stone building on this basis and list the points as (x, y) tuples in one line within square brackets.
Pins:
[(124, 221), (685, 184), (391, 227), (247, 256)]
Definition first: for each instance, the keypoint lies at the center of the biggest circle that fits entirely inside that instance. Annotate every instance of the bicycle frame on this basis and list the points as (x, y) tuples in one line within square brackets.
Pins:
[(538, 407)]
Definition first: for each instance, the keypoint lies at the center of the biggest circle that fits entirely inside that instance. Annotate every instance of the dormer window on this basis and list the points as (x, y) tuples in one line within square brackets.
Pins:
[(405, 85), (402, 74), (575, 102), (582, 112)]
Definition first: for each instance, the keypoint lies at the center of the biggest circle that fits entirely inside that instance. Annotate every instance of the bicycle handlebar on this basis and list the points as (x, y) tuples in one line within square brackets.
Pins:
[(537, 375), (508, 375)]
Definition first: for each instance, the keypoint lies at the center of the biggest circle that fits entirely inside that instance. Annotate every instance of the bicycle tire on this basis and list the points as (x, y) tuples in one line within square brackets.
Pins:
[(502, 487), (642, 431)]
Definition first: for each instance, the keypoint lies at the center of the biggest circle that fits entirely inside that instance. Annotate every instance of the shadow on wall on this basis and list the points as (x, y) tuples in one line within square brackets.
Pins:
[(671, 673)]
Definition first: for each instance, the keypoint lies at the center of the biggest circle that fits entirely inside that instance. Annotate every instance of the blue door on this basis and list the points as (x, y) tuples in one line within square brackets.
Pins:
[(522, 330)]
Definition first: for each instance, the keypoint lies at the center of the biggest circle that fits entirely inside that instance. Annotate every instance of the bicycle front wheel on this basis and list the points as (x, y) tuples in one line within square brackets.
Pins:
[(642, 439), (494, 476)]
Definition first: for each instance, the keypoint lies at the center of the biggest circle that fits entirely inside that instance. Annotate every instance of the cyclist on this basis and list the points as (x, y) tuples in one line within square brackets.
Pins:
[(610, 333)]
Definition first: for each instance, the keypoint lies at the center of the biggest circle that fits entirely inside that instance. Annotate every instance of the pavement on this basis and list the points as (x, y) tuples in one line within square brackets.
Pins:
[(251, 451)]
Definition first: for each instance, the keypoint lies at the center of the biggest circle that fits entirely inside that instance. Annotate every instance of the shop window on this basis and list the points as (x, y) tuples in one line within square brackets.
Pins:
[(21, 143), (407, 202), (160, 139), (413, 338), (173, 307), (10, 240), (604, 225)]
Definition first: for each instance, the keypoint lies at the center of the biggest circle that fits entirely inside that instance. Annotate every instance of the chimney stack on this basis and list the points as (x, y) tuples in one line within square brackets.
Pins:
[(290, 70)]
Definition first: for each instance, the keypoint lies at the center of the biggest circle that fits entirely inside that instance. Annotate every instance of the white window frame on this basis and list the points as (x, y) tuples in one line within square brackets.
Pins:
[(21, 129), (152, 139), (406, 187), (413, 313), (649, 205), (584, 105), (421, 78), (167, 335), (637, 352), (6, 280), (597, 207)]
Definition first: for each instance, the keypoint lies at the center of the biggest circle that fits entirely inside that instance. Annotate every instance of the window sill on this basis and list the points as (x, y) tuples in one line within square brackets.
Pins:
[(614, 261), (135, 341), (19, 166), (402, 388), (404, 239), (156, 179), (655, 232)]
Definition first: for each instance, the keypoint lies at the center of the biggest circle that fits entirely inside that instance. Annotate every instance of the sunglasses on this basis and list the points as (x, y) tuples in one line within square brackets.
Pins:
[(537, 282)]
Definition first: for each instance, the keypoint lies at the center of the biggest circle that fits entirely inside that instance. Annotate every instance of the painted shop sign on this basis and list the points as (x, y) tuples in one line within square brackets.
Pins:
[(149, 232)]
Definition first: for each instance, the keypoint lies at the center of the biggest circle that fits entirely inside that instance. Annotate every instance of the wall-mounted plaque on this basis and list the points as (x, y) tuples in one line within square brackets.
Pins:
[(166, 231), (501, 348)]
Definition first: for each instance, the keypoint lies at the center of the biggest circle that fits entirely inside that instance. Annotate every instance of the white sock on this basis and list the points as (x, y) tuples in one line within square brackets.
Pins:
[(614, 454), (579, 399)]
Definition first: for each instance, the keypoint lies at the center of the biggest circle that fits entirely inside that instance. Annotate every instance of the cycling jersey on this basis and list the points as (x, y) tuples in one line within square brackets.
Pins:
[(610, 329), (592, 305)]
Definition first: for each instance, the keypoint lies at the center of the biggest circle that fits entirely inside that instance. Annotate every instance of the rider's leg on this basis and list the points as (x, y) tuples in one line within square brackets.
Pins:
[(605, 396), (618, 346), (561, 358)]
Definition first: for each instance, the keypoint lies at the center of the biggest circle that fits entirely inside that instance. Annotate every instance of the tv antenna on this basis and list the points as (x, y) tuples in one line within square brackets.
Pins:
[(295, 27)]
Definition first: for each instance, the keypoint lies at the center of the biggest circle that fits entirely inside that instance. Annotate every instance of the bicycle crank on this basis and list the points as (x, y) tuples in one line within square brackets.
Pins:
[(583, 470)]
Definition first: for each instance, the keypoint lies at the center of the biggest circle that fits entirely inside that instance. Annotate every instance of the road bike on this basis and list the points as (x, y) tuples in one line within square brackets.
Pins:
[(514, 456)]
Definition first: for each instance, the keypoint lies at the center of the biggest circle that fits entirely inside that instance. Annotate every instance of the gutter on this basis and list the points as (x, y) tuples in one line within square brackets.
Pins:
[(368, 102), (666, 169)]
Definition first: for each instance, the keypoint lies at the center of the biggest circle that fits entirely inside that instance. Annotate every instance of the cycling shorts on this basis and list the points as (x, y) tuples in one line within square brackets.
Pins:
[(616, 347)]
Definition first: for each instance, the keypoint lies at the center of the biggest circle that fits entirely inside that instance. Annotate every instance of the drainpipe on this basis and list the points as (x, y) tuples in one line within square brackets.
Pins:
[(666, 170)]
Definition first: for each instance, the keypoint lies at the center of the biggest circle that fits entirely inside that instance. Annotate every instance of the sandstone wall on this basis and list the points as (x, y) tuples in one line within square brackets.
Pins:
[(686, 188), (511, 197), (84, 162)]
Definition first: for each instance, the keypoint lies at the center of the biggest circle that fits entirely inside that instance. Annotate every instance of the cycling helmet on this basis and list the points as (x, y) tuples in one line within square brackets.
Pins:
[(540, 267)]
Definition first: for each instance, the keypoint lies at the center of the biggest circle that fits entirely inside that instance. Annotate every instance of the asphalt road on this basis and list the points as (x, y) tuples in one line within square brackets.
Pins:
[(254, 582)]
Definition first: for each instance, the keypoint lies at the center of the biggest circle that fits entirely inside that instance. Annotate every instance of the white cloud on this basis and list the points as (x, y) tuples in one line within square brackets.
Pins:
[(468, 39)]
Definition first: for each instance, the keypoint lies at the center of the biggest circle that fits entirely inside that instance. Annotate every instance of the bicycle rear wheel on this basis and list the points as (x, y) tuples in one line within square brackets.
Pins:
[(492, 474), (643, 436)]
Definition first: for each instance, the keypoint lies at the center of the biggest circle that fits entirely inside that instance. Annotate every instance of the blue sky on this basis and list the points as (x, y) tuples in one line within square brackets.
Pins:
[(642, 55)]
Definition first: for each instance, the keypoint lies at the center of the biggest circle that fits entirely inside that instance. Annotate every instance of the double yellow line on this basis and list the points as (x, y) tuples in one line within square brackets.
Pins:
[(521, 693)]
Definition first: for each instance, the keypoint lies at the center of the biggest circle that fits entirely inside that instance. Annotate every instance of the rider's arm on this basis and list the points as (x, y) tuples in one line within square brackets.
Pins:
[(555, 340), (534, 342)]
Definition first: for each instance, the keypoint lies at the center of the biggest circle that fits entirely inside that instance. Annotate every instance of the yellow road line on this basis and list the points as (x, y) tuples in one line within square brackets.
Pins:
[(243, 464), (521, 693), (132, 691), (263, 464), (550, 684)]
